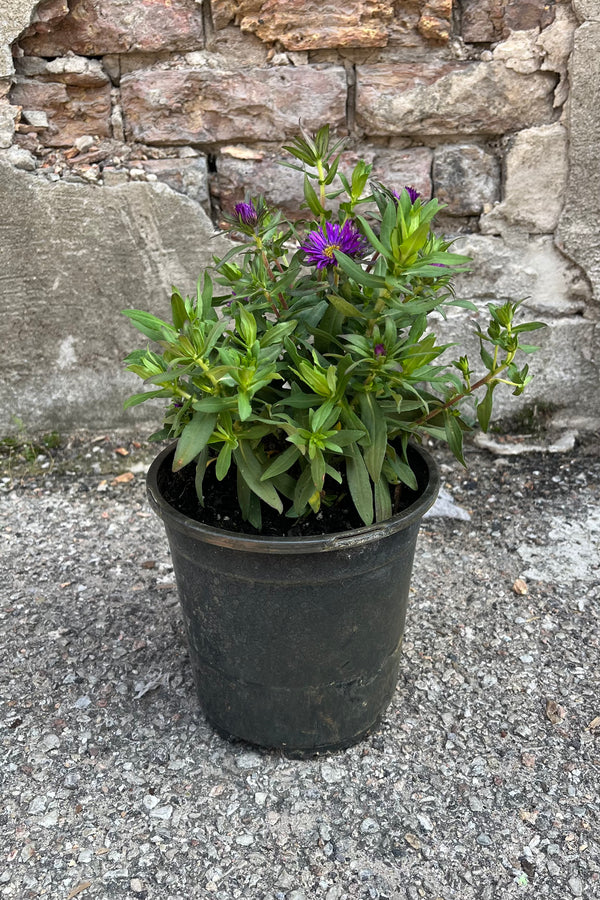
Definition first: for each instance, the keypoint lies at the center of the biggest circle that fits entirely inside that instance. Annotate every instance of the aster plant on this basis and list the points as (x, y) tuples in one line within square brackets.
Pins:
[(312, 365)]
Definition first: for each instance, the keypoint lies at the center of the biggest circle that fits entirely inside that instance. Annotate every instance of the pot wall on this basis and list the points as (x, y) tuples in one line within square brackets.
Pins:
[(294, 643)]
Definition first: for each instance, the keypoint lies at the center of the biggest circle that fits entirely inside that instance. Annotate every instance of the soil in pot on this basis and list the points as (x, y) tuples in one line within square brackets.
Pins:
[(221, 508)]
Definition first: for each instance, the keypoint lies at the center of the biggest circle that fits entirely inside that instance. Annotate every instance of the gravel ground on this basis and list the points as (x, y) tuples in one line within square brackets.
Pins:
[(481, 782)]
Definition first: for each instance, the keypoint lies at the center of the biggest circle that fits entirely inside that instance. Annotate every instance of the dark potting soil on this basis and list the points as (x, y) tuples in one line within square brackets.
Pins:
[(221, 508)]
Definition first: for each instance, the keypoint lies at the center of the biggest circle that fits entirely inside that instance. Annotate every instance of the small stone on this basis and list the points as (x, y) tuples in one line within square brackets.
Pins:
[(21, 158), (150, 801), (162, 812), (576, 886), (84, 143), (425, 822), (38, 805), (484, 839), (50, 820), (85, 855), (369, 826), (35, 117), (331, 774), (82, 703), (136, 885), (325, 832), (248, 760), (244, 840), (260, 798), (50, 742)]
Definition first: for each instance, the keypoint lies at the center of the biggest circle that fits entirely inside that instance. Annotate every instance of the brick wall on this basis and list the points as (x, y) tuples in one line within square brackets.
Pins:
[(466, 100), (202, 95)]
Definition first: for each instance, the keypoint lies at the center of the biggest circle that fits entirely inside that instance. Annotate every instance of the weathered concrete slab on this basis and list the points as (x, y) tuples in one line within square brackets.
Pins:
[(15, 16), (578, 232), (72, 257)]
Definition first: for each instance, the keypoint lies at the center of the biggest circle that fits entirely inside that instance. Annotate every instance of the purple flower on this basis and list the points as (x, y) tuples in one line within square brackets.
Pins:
[(320, 245), (246, 214), (379, 350), (411, 191)]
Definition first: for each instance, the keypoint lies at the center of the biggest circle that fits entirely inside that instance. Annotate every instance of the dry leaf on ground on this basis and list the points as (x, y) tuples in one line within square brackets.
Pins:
[(555, 712)]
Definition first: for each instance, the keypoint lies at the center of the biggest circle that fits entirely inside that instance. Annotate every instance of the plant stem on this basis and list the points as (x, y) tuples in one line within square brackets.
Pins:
[(457, 397)]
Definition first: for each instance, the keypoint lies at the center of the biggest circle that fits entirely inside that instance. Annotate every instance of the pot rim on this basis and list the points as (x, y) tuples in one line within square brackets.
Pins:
[(340, 540)]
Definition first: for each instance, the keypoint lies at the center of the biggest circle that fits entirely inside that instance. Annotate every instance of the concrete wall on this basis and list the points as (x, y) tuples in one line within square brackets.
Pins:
[(127, 126)]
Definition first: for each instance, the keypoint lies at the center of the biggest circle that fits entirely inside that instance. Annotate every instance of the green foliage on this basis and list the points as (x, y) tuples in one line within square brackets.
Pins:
[(309, 373)]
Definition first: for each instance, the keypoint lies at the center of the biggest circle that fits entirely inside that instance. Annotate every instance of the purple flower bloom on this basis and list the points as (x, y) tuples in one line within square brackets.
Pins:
[(412, 193), (246, 214), (320, 245), (379, 350)]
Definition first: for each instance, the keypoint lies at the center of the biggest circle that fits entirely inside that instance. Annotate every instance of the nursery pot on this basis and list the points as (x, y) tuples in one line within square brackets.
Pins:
[(294, 642)]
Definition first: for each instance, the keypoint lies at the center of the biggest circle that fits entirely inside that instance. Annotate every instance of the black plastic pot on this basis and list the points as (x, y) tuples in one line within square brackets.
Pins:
[(294, 642)]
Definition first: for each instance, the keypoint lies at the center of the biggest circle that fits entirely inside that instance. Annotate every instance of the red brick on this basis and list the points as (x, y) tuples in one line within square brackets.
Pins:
[(314, 25), (444, 98), (94, 27), (206, 106)]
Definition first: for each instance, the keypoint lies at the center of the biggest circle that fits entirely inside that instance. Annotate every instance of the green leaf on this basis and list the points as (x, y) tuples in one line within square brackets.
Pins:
[(215, 404), (193, 439), (178, 310), (528, 326), (246, 324), (281, 463), (487, 359), (223, 461), (374, 422), (353, 270), (317, 468), (402, 470), (359, 483), (484, 407), (464, 304), (150, 325), (373, 239), (414, 242), (278, 332), (454, 435), (312, 201), (135, 399), (251, 471), (244, 406), (346, 308), (383, 501), (200, 473), (161, 435), (205, 297), (304, 491)]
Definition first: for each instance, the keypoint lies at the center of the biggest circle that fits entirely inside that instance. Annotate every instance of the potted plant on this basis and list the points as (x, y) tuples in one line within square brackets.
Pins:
[(298, 394)]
